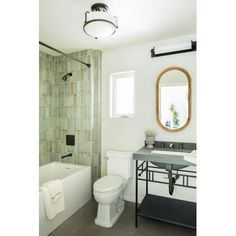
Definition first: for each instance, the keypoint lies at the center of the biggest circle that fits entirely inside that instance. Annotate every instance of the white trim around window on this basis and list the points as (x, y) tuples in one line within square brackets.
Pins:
[(122, 94)]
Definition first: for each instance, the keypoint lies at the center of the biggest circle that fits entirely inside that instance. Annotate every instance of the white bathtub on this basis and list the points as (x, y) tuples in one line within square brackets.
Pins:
[(77, 191)]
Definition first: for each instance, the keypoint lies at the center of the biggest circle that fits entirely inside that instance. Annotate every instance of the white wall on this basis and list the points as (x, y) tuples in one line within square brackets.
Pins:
[(127, 134)]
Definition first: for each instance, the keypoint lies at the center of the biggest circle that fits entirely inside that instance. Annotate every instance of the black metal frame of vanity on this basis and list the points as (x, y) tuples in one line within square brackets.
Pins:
[(170, 210)]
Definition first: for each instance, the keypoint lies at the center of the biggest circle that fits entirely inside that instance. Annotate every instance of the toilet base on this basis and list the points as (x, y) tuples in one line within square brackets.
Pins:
[(107, 215)]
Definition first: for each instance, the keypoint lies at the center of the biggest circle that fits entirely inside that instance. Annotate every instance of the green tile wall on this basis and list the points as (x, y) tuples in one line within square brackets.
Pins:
[(47, 74), (71, 107)]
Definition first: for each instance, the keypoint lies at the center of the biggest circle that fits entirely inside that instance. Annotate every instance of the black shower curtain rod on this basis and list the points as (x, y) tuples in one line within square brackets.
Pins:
[(66, 55)]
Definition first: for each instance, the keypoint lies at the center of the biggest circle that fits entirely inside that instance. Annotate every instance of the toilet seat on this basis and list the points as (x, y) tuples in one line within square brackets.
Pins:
[(108, 183)]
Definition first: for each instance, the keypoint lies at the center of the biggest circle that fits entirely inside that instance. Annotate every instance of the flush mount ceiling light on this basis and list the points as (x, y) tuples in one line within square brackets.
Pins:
[(99, 23)]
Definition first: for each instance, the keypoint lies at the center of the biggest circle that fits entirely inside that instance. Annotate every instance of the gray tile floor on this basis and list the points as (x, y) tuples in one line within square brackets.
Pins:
[(82, 224)]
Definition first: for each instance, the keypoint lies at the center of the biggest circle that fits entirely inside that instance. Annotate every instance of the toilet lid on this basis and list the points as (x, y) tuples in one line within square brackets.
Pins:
[(108, 183)]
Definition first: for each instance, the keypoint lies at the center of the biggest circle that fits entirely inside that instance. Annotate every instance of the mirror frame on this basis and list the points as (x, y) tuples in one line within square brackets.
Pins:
[(189, 98)]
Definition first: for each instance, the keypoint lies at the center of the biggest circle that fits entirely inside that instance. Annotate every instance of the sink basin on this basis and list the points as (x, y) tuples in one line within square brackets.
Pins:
[(188, 156), (169, 153)]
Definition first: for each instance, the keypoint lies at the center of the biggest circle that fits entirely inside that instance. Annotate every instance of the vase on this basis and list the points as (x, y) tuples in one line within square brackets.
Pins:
[(150, 140)]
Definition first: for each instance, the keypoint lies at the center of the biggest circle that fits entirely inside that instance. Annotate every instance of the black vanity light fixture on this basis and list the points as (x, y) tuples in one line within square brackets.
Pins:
[(99, 23), (174, 48)]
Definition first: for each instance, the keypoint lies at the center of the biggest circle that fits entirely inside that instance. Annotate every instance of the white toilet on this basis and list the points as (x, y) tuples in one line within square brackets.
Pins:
[(108, 190)]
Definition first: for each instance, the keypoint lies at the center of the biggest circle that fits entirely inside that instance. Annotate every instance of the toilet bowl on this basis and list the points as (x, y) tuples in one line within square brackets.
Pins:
[(108, 190)]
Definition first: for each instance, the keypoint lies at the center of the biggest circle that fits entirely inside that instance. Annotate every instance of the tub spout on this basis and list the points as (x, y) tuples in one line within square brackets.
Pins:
[(68, 155)]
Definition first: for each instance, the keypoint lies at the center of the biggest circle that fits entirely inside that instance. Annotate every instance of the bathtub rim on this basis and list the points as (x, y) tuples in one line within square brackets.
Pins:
[(65, 163)]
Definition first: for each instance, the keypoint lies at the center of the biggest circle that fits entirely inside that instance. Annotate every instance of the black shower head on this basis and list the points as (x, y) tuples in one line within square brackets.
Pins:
[(66, 76)]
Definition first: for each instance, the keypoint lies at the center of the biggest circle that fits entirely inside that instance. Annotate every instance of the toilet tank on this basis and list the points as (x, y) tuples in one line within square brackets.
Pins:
[(120, 163)]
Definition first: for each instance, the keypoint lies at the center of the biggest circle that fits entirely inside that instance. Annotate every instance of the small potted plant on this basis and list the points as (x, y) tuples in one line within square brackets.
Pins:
[(150, 137)]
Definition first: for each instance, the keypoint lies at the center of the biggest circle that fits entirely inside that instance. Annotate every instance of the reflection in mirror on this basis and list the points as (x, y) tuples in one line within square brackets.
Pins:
[(173, 99)]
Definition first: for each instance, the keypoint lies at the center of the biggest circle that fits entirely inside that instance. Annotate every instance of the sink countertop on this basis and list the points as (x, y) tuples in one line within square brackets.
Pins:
[(144, 154)]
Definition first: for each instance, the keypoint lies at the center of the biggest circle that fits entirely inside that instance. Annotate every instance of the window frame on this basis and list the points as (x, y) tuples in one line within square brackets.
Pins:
[(113, 97)]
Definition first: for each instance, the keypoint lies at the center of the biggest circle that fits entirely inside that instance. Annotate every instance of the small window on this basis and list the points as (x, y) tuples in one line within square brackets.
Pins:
[(122, 94)]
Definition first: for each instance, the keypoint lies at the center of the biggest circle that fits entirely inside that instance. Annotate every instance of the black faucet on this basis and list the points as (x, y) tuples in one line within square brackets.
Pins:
[(68, 155), (172, 145)]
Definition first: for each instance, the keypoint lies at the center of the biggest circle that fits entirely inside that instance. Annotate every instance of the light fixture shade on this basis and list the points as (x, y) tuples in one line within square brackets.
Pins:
[(172, 47), (99, 24), (162, 49)]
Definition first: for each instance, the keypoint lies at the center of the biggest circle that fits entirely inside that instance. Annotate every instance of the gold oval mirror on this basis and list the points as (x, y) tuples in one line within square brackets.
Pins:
[(173, 99)]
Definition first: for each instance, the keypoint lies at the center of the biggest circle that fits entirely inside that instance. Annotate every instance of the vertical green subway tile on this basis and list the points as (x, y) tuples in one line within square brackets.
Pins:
[(66, 108)]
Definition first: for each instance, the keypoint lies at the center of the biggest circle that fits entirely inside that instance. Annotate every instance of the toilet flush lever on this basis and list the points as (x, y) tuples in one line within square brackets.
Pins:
[(106, 158)]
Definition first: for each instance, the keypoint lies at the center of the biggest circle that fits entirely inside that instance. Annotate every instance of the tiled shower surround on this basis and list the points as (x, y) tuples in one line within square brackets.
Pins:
[(71, 107)]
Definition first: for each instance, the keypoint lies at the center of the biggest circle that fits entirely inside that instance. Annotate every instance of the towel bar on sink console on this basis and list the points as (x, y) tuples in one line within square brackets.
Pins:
[(179, 173)]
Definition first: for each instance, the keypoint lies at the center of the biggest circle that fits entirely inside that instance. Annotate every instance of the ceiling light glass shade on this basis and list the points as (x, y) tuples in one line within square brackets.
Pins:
[(100, 24)]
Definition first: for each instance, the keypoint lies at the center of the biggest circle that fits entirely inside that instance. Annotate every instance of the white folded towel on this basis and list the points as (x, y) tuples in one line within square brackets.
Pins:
[(194, 153), (55, 188), (53, 198), (191, 157)]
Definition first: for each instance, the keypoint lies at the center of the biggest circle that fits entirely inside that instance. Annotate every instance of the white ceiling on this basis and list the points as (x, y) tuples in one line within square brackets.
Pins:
[(61, 22)]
